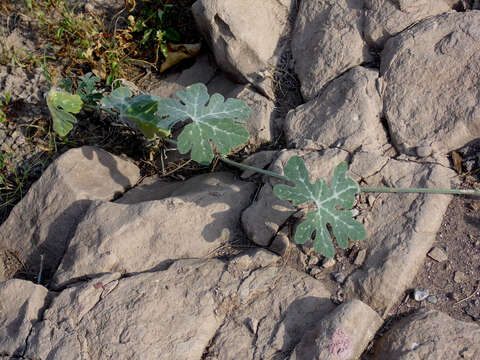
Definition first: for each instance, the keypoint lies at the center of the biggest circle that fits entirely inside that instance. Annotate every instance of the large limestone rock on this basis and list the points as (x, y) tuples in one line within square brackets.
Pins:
[(197, 217), (327, 41), (401, 227), (41, 224), (431, 94), (246, 36), (429, 335), (342, 334), (249, 308), (386, 18), (21, 306), (262, 124), (346, 115)]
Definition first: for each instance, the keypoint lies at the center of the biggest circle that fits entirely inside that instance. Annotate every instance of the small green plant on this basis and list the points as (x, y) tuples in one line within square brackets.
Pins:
[(151, 28), (216, 129), (3, 107)]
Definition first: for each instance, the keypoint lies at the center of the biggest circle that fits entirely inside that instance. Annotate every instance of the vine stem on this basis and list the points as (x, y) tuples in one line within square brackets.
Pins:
[(362, 189)]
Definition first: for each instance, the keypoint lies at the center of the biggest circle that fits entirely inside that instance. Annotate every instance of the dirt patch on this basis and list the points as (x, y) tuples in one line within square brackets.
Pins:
[(455, 282)]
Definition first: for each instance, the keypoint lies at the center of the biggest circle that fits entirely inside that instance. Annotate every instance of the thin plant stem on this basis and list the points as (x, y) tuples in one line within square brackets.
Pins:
[(362, 189)]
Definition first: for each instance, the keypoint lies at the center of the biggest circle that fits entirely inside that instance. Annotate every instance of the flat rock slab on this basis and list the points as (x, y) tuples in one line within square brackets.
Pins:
[(44, 220), (249, 308), (386, 18), (21, 304), (327, 41), (346, 115), (200, 215), (429, 335), (431, 94), (232, 30), (401, 227), (342, 334)]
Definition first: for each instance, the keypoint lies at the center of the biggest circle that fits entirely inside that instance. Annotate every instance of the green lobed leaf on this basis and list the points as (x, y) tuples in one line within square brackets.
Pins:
[(140, 109), (62, 105), (87, 89), (213, 119), (340, 193)]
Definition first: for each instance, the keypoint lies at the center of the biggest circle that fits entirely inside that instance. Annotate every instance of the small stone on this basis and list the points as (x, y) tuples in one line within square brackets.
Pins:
[(339, 277), (438, 254), (328, 263), (432, 299), (459, 277), (423, 151), (315, 271), (420, 294), (360, 257), (371, 200), (252, 325), (467, 353), (313, 261), (355, 212)]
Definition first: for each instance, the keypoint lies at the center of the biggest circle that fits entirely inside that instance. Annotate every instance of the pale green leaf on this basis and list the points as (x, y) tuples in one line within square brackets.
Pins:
[(62, 105), (140, 110), (213, 119), (332, 203)]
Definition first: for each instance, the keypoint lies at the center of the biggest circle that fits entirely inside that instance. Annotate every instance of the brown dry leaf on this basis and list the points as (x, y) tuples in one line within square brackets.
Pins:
[(457, 162), (179, 52)]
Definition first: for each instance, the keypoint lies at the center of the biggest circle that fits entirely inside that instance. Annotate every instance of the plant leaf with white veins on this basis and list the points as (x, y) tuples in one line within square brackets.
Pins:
[(340, 193), (213, 119)]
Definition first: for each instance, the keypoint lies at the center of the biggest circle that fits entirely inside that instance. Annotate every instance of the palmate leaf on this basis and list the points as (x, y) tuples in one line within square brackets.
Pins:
[(341, 193), (213, 119), (140, 110), (62, 105)]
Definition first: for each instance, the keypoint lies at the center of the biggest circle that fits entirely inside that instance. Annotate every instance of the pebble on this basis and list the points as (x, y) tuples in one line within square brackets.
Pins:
[(360, 257), (423, 151), (328, 263), (355, 212), (438, 254), (467, 353), (420, 294), (315, 271), (459, 277), (339, 277), (432, 299), (313, 261)]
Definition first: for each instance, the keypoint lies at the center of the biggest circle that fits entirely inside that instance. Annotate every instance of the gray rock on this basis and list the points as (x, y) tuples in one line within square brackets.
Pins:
[(438, 254), (281, 243), (360, 258), (327, 41), (339, 277), (167, 85), (261, 124), (346, 115), (401, 230), (432, 299), (21, 305), (249, 308), (232, 30), (425, 105), (328, 263), (260, 160), (386, 18), (459, 277), (343, 334), (136, 237), (44, 221), (420, 294), (429, 335)]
